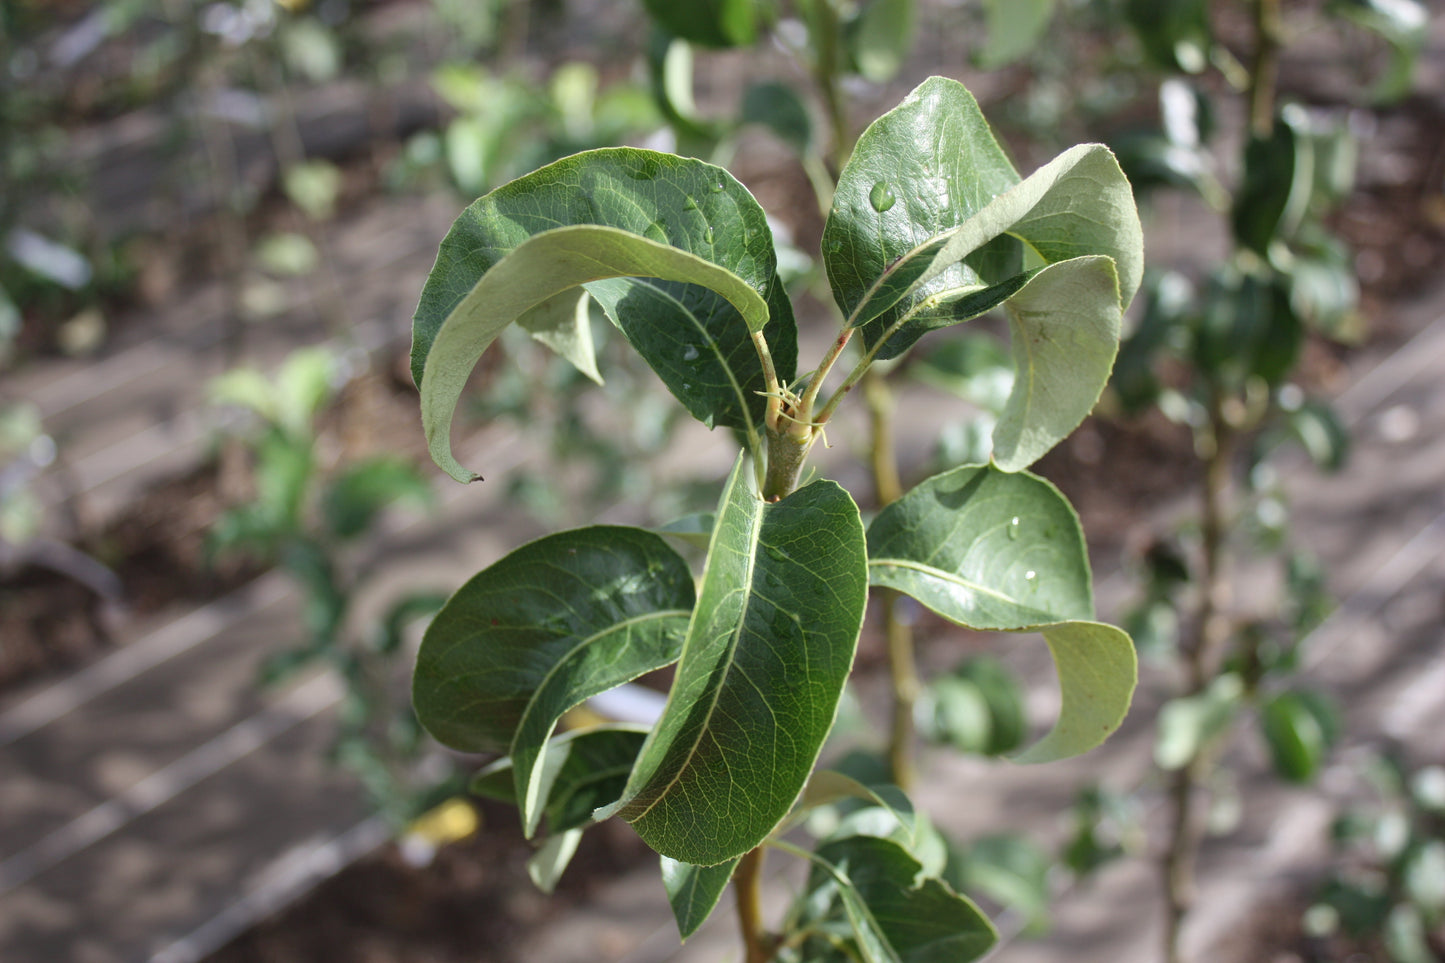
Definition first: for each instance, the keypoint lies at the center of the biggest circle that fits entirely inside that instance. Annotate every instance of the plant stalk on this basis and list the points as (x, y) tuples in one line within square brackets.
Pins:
[(1201, 649), (902, 667), (758, 943), (1264, 71)]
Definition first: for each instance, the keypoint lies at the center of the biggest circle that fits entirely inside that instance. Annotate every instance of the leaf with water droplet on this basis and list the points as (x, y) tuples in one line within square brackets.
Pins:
[(972, 236), (944, 543), (880, 197)]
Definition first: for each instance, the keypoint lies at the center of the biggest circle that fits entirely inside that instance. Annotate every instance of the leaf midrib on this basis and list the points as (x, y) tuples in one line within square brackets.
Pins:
[(972, 586), (754, 535)]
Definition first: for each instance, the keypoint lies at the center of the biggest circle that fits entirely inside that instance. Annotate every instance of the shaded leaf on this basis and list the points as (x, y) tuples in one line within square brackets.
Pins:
[(880, 37), (352, 500), (769, 646), (896, 915), (546, 865), (709, 23), (701, 347), (551, 624), (584, 770), (1014, 27), (693, 891), (564, 324)]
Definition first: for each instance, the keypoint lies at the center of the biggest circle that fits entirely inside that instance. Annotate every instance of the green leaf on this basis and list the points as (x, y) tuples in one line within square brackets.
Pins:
[(352, 500), (1008, 869), (709, 23), (1190, 723), (1299, 728), (928, 187), (931, 164), (693, 891), (546, 865), (999, 689), (1014, 26), (1404, 24), (622, 213), (931, 227), (973, 366), (897, 916), (769, 646), (584, 770), (564, 324), (880, 37), (1175, 34), (829, 786), (779, 108), (553, 623), (1278, 177), (995, 550), (700, 346), (1065, 325)]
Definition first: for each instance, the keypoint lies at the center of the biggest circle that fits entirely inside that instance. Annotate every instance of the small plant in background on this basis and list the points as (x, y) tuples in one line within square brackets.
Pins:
[(1385, 898), (929, 226), (308, 507), (1220, 355)]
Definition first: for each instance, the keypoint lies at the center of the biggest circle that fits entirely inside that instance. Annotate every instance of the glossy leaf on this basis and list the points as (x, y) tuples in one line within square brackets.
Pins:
[(693, 891), (897, 917), (931, 227), (1014, 27), (769, 646), (701, 347), (930, 164), (551, 624), (995, 550), (623, 213)]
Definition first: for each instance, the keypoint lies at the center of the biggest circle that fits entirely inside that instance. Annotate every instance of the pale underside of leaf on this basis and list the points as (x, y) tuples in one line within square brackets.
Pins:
[(542, 267)]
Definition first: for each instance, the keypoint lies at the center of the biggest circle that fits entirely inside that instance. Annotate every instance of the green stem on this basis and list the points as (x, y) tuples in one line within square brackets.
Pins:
[(758, 943), (902, 668), (1201, 648), (1264, 71)]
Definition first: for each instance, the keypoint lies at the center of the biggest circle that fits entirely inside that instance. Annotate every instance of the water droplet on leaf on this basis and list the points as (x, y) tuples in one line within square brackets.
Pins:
[(881, 197), (689, 205), (690, 352), (717, 188), (1013, 527), (708, 236)]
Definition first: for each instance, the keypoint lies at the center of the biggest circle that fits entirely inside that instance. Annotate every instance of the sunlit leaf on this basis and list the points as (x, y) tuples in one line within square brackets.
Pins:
[(996, 550)]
